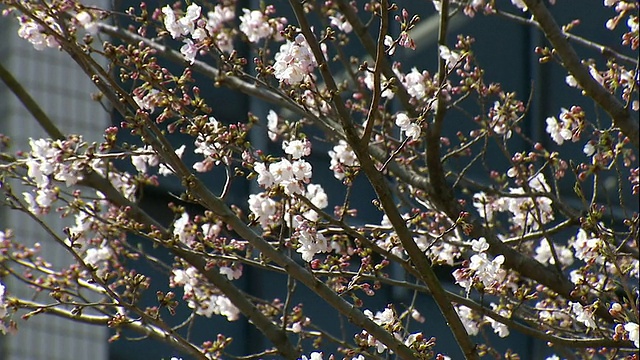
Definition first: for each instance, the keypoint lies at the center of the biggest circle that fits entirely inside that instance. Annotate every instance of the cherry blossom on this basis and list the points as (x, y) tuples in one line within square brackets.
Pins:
[(263, 208), (294, 62), (634, 333), (583, 315), (339, 21), (310, 241), (342, 157), (468, 320), (254, 24), (86, 20), (452, 58), (36, 33), (297, 148), (409, 128), (183, 26)]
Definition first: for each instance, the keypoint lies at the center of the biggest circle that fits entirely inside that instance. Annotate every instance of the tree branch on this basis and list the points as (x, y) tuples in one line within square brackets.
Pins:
[(570, 60)]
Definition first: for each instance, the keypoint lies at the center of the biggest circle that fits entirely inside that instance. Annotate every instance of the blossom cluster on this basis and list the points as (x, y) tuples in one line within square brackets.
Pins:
[(408, 128), (193, 32), (482, 268), (389, 320), (294, 62), (342, 159), (39, 35), (528, 213), (290, 177), (205, 300)]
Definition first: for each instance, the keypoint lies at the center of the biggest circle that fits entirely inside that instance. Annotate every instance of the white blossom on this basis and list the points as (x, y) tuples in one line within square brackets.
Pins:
[(368, 81), (182, 230), (86, 20), (468, 320), (189, 50), (255, 25), (415, 83), (589, 149), (571, 81), (544, 254), (340, 21), (294, 62), (310, 241), (265, 178), (520, 4), (341, 157), (449, 56), (36, 34), (263, 208), (143, 157), (164, 169), (558, 132), (272, 125), (583, 314), (410, 129), (231, 273), (297, 148), (219, 16), (316, 355), (632, 329), (488, 270), (3, 309), (587, 248), (183, 26), (479, 245)]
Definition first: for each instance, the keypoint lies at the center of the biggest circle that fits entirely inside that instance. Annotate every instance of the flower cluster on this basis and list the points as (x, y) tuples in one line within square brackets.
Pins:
[(144, 157), (190, 25), (481, 268), (255, 25), (289, 175), (264, 209), (340, 22), (207, 144), (389, 320), (294, 62), (473, 322), (408, 128), (342, 159), (583, 314), (309, 240), (38, 35), (527, 213), (51, 160), (387, 92), (451, 57), (588, 249), (568, 127), (544, 254), (201, 297)]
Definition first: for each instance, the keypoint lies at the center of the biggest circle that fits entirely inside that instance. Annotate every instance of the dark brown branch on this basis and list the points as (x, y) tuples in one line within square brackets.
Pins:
[(570, 60)]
